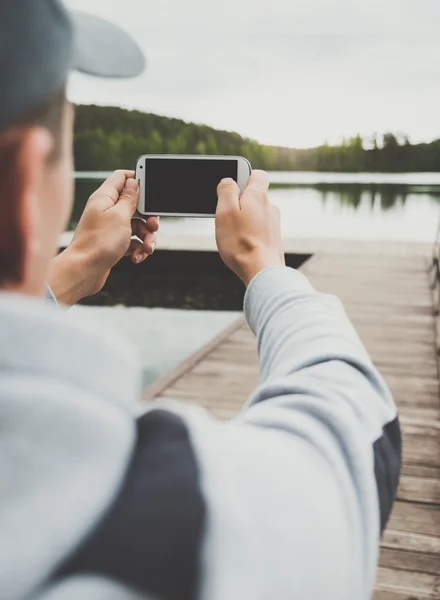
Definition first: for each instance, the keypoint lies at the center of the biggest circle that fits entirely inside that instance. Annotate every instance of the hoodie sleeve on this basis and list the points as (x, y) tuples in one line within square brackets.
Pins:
[(309, 350), (299, 487)]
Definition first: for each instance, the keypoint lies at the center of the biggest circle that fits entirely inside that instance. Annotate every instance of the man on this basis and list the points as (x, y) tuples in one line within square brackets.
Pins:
[(287, 501)]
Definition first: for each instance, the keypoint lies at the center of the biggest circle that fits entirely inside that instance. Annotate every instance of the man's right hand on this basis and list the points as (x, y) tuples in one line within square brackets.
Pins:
[(248, 230)]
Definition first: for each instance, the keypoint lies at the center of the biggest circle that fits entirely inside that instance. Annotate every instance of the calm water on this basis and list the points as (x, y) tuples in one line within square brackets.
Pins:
[(330, 205), (337, 205)]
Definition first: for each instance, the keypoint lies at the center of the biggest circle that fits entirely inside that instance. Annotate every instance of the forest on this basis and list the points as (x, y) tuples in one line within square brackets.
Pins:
[(107, 138)]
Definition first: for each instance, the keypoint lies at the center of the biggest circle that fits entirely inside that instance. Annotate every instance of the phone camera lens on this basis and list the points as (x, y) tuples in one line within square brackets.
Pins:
[(141, 167)]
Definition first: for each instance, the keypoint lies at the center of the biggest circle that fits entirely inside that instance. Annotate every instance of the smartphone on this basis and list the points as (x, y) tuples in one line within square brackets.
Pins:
[(185, 186)]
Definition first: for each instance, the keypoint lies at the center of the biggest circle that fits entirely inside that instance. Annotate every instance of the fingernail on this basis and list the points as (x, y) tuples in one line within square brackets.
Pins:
[(153, 247), (131, 185), (227, 180), (140, 257)]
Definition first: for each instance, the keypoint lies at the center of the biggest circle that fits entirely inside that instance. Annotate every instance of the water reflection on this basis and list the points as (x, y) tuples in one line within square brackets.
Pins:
[(368, 209), (382, 196)]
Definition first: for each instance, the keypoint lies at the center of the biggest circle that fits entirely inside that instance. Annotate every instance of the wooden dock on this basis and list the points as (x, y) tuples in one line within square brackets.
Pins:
[(387, 297)]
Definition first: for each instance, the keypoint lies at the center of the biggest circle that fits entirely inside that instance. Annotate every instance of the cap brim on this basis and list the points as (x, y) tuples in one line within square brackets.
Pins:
[(104, 49)]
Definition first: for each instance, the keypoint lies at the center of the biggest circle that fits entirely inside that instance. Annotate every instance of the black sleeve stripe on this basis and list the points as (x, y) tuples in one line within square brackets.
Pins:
[(150, 538), (387, 462)]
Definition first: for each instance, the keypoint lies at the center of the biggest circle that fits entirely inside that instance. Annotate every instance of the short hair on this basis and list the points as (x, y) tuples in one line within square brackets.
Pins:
[(49, 115)]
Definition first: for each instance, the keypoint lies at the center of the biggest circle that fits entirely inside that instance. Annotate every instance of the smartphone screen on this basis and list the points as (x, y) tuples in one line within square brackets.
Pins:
[(187, 186)]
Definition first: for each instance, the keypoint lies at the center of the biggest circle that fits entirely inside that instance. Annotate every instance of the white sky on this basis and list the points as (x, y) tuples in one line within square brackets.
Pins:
[(288, 72)]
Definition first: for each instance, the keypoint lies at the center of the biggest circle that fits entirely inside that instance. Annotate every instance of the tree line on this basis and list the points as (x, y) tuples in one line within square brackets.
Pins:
[(107, 138)]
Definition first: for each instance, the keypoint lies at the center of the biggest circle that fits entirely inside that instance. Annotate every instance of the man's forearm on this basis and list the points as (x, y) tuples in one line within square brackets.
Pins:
[(68, 277)]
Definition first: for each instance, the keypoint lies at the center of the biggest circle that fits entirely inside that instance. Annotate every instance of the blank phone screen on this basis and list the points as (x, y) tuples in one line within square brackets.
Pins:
[(187, 186)]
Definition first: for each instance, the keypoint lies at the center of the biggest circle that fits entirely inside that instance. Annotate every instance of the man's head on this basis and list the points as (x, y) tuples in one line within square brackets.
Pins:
[(39, 44), (35, 191)]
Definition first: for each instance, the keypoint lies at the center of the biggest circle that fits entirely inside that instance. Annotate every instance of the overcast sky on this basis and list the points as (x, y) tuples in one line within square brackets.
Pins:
[(289, 72)]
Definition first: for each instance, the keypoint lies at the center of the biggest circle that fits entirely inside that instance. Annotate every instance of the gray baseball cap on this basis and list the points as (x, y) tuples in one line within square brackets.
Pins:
[(40, 42)]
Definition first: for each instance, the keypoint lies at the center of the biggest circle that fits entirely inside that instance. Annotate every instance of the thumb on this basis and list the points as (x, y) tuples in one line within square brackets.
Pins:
[(128, 200), (228, 195)]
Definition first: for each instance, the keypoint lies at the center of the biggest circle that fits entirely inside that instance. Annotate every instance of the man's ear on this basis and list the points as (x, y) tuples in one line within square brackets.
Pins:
[(35, 148)]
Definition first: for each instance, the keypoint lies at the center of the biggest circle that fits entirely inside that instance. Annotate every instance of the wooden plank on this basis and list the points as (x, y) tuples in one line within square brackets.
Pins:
[(388, 271), (405, 584), (419, 450), (419, 489), (404, 304), (414, 390), (419, 470), (388, 594), (427, 414), (418, 355), (415, 542), (405, 398), (422, 427), (415, 518), (410, 561), (405, 368)]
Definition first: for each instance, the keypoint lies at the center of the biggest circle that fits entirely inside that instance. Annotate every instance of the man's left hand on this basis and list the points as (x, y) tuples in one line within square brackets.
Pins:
[(102, 238)]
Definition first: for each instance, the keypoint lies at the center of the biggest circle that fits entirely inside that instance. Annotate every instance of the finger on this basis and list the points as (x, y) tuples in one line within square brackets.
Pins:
[(108, 193), (153, 224), (258, 183), (150, 242), (228, 195), (127, 202), (141, 227), (135, 244), (136, 251), (148, 239)]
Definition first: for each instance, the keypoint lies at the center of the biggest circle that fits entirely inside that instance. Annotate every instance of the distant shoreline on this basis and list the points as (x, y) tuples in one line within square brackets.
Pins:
[(107, 137)]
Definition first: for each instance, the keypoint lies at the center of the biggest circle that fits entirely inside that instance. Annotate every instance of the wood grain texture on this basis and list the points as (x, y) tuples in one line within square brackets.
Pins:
[(389, 302)]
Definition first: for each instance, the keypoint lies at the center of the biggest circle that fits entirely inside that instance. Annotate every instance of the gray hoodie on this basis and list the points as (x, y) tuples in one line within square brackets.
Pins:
[(286, 501)]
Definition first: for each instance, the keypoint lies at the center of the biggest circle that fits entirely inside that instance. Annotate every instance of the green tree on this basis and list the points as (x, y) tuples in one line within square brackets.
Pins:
[(110, 137), (154, 142), (201, 148)]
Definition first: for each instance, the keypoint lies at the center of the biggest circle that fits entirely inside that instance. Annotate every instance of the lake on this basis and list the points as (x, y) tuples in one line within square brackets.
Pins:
[(328, 205), (368, 206)]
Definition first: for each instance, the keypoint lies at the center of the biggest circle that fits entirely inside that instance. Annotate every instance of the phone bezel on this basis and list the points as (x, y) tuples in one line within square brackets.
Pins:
[(243, 172)]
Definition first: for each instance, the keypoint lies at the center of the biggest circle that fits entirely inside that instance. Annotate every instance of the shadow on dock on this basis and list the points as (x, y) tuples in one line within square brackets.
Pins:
[(196, 280)]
